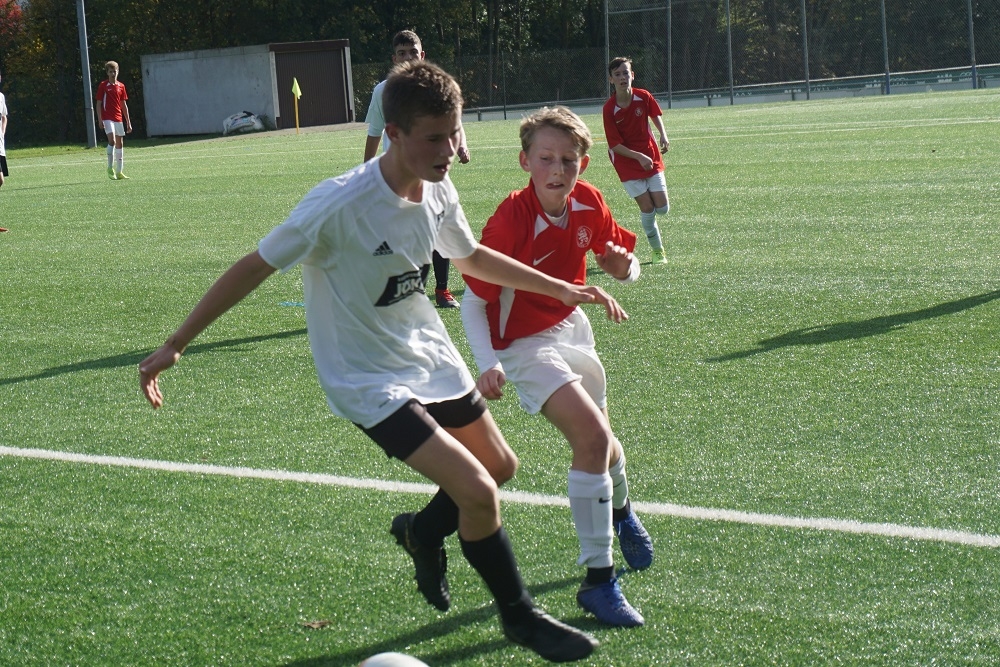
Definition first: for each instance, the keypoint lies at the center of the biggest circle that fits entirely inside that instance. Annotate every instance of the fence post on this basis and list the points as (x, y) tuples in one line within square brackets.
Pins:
[(885, 47), (670, 58), (607, 46), (729, 43), (805, 47), (972, 47)]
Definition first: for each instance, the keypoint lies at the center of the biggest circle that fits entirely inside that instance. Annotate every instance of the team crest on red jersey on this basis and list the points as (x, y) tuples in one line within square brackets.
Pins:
[(583, 236)]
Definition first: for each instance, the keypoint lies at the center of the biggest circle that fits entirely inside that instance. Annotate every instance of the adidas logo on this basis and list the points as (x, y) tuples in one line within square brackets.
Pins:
[(382, 250)]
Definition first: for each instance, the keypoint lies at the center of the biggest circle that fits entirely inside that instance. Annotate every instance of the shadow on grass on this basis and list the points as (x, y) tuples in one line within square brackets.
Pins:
[(875, 326), (133, 358), (430, 631)]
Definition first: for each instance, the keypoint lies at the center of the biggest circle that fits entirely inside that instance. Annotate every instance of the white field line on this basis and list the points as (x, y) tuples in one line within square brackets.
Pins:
[(663, 509)]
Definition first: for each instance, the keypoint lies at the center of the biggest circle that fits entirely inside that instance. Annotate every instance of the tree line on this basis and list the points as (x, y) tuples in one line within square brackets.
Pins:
[(40, 54)]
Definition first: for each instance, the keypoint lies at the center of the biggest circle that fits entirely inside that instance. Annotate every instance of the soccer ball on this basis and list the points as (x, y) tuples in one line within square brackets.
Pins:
[(392, 660)]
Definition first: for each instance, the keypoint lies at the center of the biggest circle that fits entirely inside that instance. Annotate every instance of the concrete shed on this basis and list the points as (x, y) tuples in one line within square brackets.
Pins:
[(194, 91)]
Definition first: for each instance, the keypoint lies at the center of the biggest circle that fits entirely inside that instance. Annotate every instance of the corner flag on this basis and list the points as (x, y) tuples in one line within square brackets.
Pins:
[(297, 92)]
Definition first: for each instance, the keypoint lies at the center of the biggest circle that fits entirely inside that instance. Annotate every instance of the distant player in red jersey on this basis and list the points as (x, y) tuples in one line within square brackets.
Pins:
[(547, 348), (633, 151), (113, 113)]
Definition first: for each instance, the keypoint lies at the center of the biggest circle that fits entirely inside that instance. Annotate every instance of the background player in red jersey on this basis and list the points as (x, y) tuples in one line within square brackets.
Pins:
[(633, 151), (113, 114), (547, 348)]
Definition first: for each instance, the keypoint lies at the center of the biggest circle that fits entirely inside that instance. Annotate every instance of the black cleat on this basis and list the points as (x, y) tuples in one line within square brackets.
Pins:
[(553, 640), (430, 564)]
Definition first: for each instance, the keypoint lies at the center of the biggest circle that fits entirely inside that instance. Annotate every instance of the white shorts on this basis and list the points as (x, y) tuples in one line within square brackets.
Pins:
[(539, 365), (655, 183), (115, 127)]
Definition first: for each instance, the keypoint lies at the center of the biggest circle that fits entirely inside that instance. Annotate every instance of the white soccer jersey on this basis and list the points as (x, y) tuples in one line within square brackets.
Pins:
[(376, 338), (376, 118)]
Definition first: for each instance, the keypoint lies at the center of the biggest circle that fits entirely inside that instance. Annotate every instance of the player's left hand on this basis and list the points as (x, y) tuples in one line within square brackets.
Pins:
[(580, 294), (463, 155), (616, 261), (664, 144)]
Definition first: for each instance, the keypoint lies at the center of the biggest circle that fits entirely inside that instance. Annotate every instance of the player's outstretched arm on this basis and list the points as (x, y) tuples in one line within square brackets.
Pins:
[(241, 279), (494, 267)]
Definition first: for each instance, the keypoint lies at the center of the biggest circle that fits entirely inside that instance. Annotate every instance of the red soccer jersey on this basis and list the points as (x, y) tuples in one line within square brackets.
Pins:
[(630, 126), (521, 230), (109, 99)]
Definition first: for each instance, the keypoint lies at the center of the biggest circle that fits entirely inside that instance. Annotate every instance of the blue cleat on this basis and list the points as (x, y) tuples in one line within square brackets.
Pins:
[(636, 545), (608, 604)]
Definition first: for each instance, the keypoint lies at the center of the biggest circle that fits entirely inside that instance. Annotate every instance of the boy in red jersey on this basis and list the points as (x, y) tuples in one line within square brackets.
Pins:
[(547, 348), (113, 114), (634, 152)]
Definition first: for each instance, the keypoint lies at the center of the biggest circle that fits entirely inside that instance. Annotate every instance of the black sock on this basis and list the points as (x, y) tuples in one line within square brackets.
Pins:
[(493, 558), (600, 575), (436, 521), (622, 514), (441, 265)]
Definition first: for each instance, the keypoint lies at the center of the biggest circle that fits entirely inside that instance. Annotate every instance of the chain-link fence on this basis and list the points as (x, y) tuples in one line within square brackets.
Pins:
[(705, 50)]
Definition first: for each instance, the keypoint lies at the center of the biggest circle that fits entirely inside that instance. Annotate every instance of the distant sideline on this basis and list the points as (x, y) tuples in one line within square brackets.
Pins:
[(927, 81)]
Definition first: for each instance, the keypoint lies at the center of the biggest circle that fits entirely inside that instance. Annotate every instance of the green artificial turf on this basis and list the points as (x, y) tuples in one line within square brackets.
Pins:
[(822, 344)]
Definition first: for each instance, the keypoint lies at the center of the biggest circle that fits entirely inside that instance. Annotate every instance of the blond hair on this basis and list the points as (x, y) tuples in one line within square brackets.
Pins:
[(558, 118), (108, 65)]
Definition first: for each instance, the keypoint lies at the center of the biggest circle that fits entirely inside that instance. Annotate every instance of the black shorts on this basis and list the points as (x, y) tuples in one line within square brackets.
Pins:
[(402, 432)]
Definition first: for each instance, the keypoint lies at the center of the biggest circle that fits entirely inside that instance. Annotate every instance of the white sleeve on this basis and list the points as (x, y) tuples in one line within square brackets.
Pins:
[(375, 118), (477, 332)]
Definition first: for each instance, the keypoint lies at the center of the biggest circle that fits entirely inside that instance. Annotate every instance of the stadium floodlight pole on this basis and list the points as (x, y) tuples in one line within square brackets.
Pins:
[(805, 47), (885, 48), (729, 46), (88, 97), (972, 47)]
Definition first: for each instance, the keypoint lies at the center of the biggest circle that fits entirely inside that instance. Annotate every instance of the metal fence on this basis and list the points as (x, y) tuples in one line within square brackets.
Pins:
[(727, 51)]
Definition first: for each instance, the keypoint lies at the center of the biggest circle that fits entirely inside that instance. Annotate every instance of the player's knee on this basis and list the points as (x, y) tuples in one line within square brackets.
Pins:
[(591, 454), (506, 469), (663, 210), (480, 497)]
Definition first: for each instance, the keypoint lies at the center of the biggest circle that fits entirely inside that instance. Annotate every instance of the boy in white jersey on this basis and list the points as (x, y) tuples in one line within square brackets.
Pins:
[(406, 46), (382, 353), (546, 347)]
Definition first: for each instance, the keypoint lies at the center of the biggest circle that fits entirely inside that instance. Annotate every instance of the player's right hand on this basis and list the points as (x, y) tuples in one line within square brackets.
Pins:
[(150, 369), (490, 384)]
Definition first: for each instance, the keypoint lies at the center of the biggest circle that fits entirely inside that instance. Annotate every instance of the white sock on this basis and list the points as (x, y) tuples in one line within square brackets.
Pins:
[(119, 159), (111, 152), (619, 482), (648, 221), (592, 517)]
